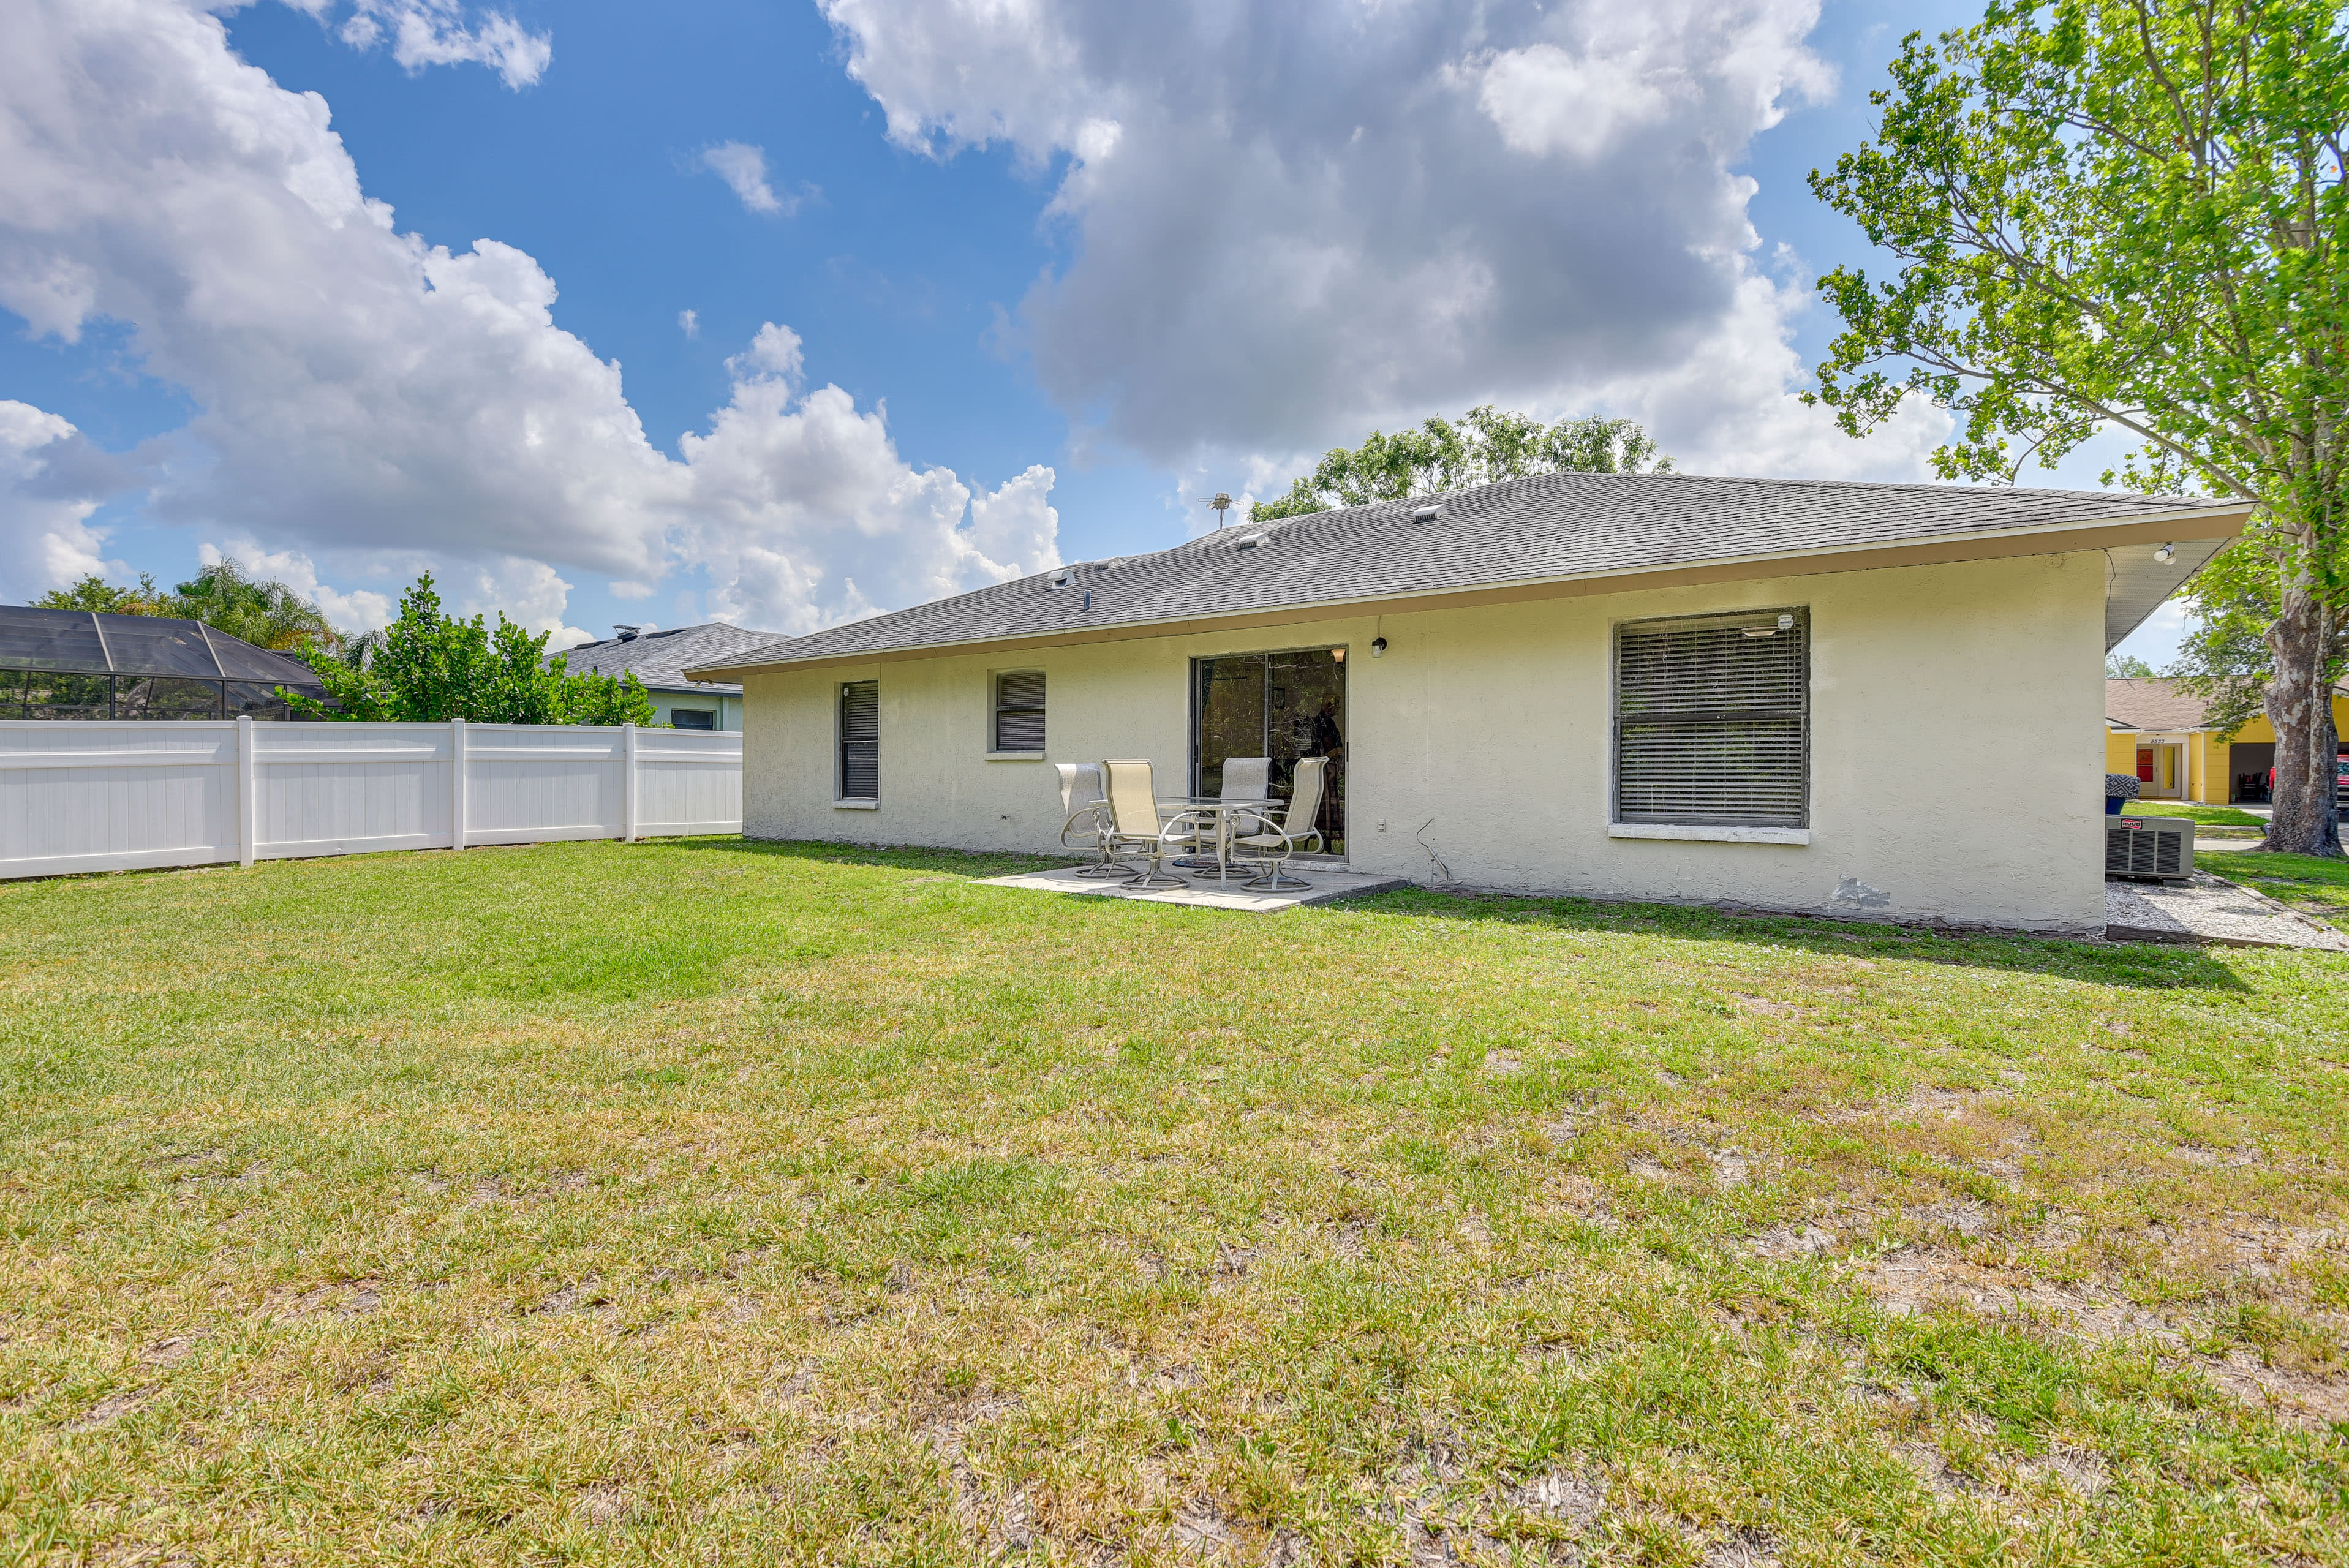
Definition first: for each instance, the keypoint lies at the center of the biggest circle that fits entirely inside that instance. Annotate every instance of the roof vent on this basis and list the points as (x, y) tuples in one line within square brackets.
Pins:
[(1252, 541), (1063, 578), (1426, 514), (628, 634)]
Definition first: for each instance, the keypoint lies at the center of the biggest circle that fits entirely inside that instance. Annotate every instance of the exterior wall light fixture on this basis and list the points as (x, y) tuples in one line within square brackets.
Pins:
[(1378, 647)]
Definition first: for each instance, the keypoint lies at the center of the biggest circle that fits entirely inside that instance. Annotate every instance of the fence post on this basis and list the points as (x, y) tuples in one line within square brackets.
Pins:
[(628, 787), (456, 783), (248, 801)]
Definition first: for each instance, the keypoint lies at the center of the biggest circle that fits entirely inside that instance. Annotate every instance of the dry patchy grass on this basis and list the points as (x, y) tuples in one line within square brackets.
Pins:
[(711, 1202)]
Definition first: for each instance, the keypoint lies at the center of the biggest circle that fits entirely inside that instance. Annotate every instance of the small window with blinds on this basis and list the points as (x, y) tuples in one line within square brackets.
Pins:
[(1019, 711), (860, 740), (1712, 720)]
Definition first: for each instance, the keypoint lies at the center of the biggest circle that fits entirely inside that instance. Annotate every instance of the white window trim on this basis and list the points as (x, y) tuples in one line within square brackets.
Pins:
[(856, 805), (1015, 757), (1708, 835)]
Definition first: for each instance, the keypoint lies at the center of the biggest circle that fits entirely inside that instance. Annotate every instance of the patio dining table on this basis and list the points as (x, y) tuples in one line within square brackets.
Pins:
[(1223, 812)]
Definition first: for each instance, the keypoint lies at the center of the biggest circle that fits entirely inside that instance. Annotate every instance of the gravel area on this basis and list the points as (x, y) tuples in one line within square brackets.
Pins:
[(2211, 909)]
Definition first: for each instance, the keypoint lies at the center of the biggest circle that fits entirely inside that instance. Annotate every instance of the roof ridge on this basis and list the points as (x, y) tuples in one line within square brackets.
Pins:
[(1543, 528)]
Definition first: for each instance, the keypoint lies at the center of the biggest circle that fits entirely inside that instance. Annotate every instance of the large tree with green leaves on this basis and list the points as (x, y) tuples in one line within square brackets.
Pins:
[(1480, 448), (94, 593), (2129, 214), (432, 666)]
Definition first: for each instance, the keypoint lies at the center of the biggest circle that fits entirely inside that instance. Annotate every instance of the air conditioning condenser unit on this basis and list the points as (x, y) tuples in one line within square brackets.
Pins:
[(2160, 848)]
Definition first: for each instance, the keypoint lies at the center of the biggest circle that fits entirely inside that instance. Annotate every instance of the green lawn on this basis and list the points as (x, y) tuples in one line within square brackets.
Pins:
[(709, 1202), (2315, 887), (2212, 816)]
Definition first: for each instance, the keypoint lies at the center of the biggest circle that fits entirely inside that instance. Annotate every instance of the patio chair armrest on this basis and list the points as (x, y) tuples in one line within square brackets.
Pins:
[(1185, 824), (1093, 813)]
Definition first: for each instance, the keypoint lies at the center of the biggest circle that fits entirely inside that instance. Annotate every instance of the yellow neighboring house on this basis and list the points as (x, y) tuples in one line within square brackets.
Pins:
[(2156, 731)]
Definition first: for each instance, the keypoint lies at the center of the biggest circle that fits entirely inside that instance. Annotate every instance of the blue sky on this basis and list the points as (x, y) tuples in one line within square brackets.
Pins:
[(1009, 252)]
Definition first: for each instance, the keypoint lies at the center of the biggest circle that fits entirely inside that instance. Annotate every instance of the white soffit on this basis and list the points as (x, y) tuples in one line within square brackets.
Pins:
[(2136, 584)]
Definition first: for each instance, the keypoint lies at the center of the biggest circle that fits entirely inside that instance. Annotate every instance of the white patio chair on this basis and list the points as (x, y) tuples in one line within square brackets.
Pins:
[(1087, 818), (1134, 827), (1245, 779), (1271, 844)]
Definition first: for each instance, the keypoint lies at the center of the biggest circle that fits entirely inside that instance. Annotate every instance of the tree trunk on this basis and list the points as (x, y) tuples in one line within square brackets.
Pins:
[(2300, 705)]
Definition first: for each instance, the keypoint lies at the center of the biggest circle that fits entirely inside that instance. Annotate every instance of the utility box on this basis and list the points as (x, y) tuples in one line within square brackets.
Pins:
[(2158, 848)]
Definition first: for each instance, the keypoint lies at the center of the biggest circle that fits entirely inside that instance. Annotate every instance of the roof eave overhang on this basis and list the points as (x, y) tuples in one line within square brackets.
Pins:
[(2217, 521)]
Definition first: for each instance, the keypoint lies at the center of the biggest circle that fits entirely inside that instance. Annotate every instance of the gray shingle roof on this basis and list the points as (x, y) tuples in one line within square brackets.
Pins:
[(1551, 527), (661, 658)]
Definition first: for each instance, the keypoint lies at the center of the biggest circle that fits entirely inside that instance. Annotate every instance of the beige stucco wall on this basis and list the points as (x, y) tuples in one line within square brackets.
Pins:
[(1942, 769)]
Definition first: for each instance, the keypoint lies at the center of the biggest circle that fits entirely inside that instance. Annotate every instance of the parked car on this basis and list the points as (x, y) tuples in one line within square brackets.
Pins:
[(2340, 783)]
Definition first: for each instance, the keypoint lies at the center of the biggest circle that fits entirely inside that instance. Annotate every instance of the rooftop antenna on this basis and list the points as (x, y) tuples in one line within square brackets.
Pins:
[(1222, 503)]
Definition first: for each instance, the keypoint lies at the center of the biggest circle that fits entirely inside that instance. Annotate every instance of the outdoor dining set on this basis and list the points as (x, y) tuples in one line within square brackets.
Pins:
[(1114, 812)]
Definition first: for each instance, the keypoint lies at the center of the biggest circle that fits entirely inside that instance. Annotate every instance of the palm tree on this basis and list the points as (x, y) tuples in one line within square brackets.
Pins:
[(267, 615)]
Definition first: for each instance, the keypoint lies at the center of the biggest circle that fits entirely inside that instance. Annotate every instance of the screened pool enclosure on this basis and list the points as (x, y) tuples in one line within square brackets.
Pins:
[(82, 663)]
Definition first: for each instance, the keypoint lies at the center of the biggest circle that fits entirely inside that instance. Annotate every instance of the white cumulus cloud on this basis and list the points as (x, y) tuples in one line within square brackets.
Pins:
[(806, 514), (435, 33), (375, 404), (51, 480), (744, 169), (1289, 221)]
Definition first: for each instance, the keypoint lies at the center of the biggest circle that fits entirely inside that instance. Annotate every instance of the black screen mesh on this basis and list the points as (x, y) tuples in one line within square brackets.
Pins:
[(50, 640)]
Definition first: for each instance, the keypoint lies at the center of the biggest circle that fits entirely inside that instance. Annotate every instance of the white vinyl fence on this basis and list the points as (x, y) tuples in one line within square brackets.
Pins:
[(105, 797)]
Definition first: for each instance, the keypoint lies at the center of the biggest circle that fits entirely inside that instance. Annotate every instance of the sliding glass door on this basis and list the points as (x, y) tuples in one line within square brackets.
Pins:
[(1283, 705)]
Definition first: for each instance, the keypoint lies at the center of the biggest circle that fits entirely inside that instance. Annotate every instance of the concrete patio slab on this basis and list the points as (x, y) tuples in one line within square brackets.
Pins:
[(1203, 892), (2211, 909)]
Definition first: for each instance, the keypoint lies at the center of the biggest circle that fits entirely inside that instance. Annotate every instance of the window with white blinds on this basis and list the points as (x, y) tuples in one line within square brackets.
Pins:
[(860, 740), (1712, 720)]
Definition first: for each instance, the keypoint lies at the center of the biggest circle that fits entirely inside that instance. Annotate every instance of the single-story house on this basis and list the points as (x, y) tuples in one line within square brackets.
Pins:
[(91, 664), (2158, 733), (660, 660), (1799, 696)]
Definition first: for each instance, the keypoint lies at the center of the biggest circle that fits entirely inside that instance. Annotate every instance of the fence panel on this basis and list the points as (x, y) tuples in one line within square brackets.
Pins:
[(689, 782), (101, 796), (351, 789), (530, 783), (108, 795)]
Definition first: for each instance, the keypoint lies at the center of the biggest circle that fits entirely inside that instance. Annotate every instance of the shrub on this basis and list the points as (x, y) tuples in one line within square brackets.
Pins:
[(433, 667)]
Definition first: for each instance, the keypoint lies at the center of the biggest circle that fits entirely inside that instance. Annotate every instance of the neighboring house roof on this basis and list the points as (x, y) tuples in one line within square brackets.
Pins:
[(96, 642), (661, 658), (1556, 530), (2153, 703)]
